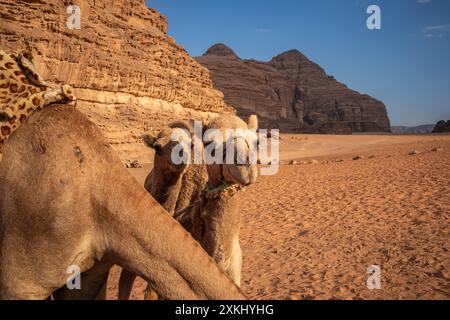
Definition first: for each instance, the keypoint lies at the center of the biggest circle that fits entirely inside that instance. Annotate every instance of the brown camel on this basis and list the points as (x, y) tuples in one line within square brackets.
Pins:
[(66, 200), (164, 183), (213, 216), (216, 219)]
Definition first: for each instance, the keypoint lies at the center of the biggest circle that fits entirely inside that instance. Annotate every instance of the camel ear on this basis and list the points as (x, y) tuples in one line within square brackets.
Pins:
[(29, 55), (149, 140), (252, 122), (189, 126)]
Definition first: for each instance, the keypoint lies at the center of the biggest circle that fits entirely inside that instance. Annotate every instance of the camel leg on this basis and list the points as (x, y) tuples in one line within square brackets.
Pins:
[(234, 270), (150, 294), (126, 284), (93, 285), (103, 291)]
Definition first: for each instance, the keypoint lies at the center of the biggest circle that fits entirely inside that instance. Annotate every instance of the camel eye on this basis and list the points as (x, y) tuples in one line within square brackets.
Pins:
[(157, 146)]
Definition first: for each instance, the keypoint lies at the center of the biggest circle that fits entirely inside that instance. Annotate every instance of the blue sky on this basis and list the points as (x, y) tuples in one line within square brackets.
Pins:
[(405, 64)]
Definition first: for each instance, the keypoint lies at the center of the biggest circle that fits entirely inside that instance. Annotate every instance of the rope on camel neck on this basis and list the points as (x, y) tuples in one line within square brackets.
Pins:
[(225, 189)]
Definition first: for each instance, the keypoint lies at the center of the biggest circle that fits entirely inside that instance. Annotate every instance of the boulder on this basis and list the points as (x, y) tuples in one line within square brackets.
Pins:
[(442, 127), (132, 164)]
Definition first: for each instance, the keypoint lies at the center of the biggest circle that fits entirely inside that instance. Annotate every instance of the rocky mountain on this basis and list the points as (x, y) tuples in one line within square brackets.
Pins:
[(128, 74), (442, 127), (292, 93), (426, 128)]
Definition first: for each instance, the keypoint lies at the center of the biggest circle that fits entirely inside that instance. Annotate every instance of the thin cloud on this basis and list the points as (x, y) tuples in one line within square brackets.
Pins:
[(423, 1), (437, 31)]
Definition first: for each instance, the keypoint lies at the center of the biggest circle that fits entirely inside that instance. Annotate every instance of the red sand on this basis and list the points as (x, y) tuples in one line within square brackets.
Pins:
[(311, 231)]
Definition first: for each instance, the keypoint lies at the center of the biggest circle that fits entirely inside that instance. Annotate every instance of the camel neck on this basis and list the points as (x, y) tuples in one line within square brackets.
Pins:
[(146, 237), (166, 187), (218, 226), (222, 210)]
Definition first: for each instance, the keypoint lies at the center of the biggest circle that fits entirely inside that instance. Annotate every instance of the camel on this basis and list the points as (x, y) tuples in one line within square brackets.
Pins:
[(216, 219), (165, 180), (212, 216), (66, 200), (164, 183)]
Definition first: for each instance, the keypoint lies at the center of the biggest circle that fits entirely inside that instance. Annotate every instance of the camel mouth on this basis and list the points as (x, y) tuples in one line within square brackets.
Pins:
[(177, 168), (245, 183), (243, 175), (180, 166)]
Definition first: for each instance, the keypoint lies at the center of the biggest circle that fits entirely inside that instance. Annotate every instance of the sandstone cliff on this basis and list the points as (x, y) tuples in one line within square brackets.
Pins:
[(292, 93), (129, 75)]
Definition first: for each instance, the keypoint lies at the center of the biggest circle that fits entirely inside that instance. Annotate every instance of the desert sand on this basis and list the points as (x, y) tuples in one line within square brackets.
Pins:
[(312, 230)]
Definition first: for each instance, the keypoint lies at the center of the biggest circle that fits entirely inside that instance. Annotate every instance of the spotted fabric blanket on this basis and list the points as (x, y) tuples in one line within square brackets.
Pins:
[(22, 91)]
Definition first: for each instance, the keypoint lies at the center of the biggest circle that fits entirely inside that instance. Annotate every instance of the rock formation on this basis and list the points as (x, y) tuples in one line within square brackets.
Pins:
[(292, 93), (423, 129), (442, 127), (129, 75)]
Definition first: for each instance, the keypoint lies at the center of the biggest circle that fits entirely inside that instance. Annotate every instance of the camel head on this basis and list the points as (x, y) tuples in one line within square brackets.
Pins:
[(239, 172), (163, 145)]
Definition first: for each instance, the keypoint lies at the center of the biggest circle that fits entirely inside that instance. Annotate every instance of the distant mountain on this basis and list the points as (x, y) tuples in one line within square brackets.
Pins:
[(426, 128), (292, 93)]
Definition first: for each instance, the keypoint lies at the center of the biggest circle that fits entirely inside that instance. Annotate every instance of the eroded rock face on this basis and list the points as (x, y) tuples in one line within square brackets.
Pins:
[(129, 75), (292, 93)]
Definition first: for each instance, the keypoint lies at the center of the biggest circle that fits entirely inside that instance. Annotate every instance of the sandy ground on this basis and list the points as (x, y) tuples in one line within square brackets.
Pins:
[(312, 230)]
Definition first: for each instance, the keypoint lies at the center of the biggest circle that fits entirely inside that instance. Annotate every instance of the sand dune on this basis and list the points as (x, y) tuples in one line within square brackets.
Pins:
[(311, 231)]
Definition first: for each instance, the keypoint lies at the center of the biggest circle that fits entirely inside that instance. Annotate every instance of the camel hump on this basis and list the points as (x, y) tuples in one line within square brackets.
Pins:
[(63, 119), (59, 132)]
